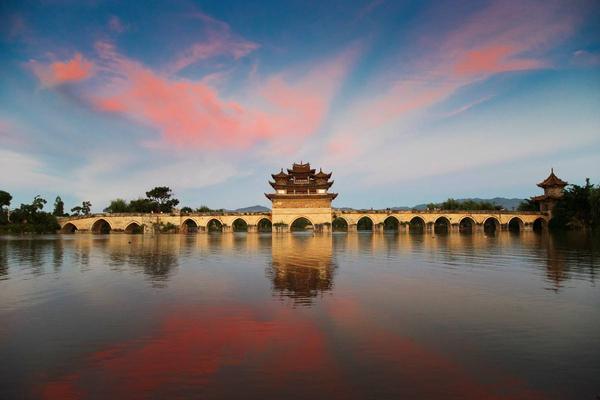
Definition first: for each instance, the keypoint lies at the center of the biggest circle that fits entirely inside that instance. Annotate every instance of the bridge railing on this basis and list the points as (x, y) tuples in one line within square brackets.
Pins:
[(391, 211), (193, 214)]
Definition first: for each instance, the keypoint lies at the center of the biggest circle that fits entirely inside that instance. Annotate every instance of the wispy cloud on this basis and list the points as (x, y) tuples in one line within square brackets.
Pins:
[(500, 37), (219, 40), (191, 113), (60, 72)]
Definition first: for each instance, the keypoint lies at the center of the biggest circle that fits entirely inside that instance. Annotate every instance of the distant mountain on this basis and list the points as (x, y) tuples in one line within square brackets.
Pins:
[(508, 204), (256, 208)]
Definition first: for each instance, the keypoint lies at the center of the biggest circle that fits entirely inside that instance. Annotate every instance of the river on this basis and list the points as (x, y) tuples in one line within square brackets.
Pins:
[(296, 316)]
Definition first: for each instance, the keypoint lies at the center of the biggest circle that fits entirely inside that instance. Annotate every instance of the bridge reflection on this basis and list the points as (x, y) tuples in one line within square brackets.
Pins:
[(301, 266)]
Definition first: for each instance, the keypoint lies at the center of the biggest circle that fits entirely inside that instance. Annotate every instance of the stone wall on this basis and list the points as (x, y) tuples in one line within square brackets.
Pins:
[(303, 203)]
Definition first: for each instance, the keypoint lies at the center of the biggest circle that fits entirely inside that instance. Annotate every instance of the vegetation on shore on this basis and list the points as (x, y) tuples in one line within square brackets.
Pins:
[(579, 208), (159, 199), (28, 218), (456, 205)]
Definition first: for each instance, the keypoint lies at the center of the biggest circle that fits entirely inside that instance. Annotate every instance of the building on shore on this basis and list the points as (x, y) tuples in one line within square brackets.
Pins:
[(553, 191)]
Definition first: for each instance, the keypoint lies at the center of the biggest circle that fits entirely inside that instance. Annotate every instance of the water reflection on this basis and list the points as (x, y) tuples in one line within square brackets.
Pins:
[(301, 267), (381, 315)]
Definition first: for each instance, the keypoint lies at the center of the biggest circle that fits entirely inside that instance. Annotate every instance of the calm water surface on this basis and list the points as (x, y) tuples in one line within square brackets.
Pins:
[(347, 316)]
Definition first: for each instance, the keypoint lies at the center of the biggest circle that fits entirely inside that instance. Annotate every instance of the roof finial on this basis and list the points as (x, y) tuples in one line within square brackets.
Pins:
[(551, 170)]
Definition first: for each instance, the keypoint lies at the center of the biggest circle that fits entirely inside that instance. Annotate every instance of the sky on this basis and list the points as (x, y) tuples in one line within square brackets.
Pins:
[(406, 102)]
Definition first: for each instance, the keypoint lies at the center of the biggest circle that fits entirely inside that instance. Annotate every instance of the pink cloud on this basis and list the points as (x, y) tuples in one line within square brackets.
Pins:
[(493, 59), (500, 37), (191, 113), (59, 72), (220, 40)]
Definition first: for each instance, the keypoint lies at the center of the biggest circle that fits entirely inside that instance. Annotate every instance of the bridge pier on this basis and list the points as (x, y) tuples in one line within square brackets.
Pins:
[(352, 228), (378, 228), (227, 228), (280, 228), (252, 228)]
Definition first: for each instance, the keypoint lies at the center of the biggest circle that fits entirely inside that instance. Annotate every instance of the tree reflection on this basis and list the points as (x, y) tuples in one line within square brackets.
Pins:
[(301, 268), (3, 259)]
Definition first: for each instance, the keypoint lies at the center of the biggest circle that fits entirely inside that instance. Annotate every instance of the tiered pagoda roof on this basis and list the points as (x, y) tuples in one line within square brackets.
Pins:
[(301, 179), (552, 186), (552, 181)]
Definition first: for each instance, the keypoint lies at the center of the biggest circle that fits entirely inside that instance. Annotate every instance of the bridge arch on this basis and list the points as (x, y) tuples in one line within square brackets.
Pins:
[(364, 223), (391, 223), (239, 225), (339, 224), (491, 225), (214, 225), (416, 225), (134, 227), (69, 227), (301, 224), (441, 225), (539, 225), (515, 225), (101, 226), (189, 226), (264, 225), (466, 225)]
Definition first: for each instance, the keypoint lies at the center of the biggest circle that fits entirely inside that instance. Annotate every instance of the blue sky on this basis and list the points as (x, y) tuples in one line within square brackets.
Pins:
[(406, 102)]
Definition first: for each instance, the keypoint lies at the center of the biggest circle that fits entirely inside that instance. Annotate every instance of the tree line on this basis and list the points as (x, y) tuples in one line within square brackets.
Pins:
[(579, 208), (464, 205), (32, 218)]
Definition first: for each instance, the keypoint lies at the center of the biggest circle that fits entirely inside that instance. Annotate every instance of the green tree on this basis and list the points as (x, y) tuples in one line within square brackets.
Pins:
[(118, 206), (454, 205), (595, 207), (574, 210), (203, 209), (76, 210), (186, 210), (163, 196), (431, 206), (142, 206), (59, 207), (528, 205), (86, 207), (5, 199), (31, 218), (38, 203)]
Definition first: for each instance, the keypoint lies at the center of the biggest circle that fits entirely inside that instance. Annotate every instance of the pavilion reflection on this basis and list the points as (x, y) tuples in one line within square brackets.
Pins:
[(301, 267)]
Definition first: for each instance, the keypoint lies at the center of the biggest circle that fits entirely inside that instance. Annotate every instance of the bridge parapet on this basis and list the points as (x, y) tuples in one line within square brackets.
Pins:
[(415, 211)]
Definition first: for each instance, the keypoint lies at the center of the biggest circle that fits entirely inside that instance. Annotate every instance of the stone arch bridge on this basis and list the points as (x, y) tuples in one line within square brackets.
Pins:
[(438, 221)]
